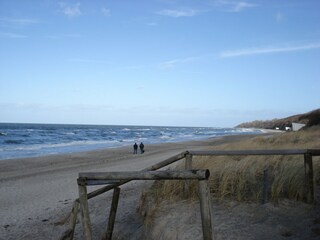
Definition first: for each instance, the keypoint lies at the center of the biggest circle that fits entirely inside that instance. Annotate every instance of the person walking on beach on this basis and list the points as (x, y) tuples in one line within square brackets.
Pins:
[(135, 148), (141, 147)]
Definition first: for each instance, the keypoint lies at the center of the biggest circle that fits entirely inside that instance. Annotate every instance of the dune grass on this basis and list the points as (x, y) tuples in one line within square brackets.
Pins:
[(241, 177)]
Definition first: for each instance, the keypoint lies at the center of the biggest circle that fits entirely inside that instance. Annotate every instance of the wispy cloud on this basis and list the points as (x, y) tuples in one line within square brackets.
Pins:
[(172, 63), (265, 50), (70, 10), (19, 21), (176, 13), (233, 5), (11, 35)]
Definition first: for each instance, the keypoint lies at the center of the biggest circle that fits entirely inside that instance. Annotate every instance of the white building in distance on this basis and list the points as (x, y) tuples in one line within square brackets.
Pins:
[(297, 126)]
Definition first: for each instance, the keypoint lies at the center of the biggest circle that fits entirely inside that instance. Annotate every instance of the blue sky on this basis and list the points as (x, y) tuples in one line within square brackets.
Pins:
[(159, 62)]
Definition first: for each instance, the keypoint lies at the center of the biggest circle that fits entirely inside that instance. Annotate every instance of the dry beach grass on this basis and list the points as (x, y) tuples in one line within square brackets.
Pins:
[(240, 178)]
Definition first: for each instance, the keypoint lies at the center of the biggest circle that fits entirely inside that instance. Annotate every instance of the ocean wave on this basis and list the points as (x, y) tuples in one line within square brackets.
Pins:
[(13, 141), (69, 133), (61, 145), (36, 140), (165, 137), (143, 129), (127, 140)]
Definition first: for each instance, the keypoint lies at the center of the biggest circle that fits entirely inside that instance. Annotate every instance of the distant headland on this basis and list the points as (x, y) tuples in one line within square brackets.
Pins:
[(310, 119)]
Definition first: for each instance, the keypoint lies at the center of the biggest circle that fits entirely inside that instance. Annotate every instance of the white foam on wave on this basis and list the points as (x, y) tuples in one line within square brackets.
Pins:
[(59, 145), (143, 129), (165, 137), (69, 133), (246, 130), (127, 140)]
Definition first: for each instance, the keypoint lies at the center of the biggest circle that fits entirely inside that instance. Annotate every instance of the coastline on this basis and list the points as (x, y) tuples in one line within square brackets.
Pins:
[(37, 192), (37, 140)]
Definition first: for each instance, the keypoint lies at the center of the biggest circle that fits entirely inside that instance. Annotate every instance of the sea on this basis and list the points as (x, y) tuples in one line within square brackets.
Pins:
[(32, 140)]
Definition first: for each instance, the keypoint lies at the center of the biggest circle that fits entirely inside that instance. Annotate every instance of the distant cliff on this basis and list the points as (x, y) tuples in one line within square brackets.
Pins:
[(310, 119)]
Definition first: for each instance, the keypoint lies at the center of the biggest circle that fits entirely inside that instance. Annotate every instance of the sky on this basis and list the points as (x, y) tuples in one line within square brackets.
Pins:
[(214, 63)]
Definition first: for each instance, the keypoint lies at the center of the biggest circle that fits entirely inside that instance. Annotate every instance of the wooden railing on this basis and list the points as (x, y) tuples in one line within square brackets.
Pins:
[(96, 178), (115, 181)]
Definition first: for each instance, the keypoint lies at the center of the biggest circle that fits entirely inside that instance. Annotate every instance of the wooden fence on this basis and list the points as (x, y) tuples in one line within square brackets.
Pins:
[(96, 178), (115, 180)]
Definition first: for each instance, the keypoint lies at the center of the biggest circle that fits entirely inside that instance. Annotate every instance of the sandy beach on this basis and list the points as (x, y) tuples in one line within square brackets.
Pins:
[(38, 192)]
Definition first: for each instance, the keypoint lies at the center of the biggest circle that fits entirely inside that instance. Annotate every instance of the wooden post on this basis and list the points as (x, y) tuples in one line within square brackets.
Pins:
[(85, 218), (308, 170), (206, 210), (112, 215), (187, 183), (265, 187), (188, 162), (73, 218), (68, 234)]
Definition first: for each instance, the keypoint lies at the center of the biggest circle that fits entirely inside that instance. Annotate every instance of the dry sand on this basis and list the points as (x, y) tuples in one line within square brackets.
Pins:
[(37, 192)]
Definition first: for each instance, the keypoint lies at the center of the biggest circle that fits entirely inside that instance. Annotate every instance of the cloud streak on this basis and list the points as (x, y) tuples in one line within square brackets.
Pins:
[(174, 13), (19, 21), (12, 35), (70, 10), (268, 50), (234, 6)]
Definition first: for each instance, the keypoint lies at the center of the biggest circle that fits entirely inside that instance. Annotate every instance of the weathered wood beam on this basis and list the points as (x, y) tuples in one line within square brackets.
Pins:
[(188, 162), (151, 168), (265, 186), (251, 152), (314, 152), (308, 170), (68, 234), (187, 183), (166, 162), (144, 175), (206, 210), (85, 218), (112, 215)]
